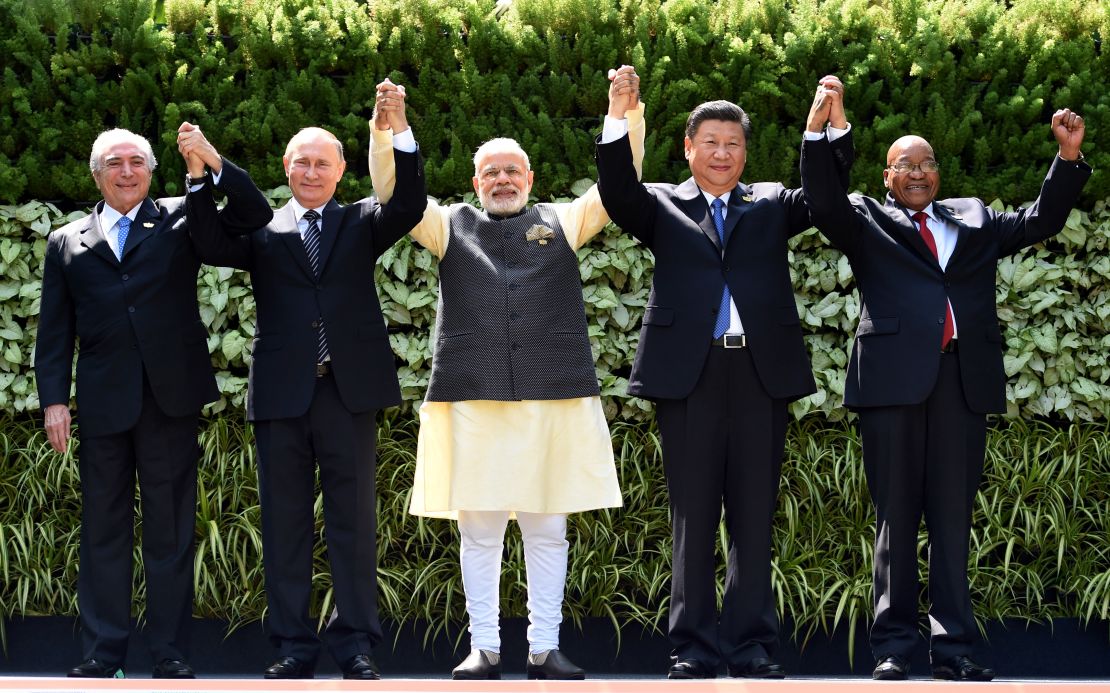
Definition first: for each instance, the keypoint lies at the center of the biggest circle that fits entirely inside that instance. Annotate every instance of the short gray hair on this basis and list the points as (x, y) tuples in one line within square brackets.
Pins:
[(116, 136), (500, 144), (312, 132)]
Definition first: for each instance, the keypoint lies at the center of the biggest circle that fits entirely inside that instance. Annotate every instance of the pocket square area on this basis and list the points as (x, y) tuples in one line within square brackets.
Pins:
[(539, 232)]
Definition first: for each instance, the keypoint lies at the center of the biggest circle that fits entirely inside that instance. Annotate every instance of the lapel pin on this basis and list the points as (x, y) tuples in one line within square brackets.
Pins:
[(148, 224), (746, 198)]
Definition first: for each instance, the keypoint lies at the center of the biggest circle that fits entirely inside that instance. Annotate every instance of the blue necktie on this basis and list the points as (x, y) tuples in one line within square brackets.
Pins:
[(124, 225), (723, 313)]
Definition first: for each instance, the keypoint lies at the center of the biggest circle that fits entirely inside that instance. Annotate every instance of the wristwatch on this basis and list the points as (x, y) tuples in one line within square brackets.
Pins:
[(190, 181)]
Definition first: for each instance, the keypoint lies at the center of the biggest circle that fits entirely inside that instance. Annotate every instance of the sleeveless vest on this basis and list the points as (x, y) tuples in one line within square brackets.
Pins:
[(511, 323)]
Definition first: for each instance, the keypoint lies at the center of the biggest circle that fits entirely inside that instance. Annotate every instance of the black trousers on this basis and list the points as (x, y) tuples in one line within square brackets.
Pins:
[(723, 443), (343, 445), (164, 451), (925, 459)]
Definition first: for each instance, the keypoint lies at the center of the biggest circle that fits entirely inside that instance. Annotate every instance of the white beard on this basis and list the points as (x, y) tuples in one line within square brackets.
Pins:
[(504, 206)]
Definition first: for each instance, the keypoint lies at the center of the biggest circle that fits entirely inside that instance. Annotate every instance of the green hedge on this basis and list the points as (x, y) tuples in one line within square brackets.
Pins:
[(978, 78)]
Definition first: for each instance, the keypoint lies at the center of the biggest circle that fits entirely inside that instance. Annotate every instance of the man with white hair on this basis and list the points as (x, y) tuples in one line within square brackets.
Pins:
[(321, 368), (512, 424), (122, 284)]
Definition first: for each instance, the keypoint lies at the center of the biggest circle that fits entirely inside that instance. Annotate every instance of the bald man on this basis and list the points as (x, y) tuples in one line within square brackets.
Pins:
[(321, 368), (926, 368)]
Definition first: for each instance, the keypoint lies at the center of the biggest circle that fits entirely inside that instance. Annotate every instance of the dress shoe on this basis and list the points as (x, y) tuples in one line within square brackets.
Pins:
[(480, 665), (690, 669), (290, 668), (553, 664), (758, 668), (361, 667), (961, 668), (891, 668), (96, 669), (173, 669)]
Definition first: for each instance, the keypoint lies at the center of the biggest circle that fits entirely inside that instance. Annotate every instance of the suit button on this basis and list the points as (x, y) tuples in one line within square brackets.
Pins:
[(514, 316), (130, 309), (512, 287), (316, 324), (126, 277), (515, 346), (510, 264), (725, 268), (940, 321), (948, 285), (508, 234)]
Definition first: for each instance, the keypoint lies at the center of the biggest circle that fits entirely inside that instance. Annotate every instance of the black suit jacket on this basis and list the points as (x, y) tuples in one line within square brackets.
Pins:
[(135, 314), (896, 354), (289, 299), (691, 269)]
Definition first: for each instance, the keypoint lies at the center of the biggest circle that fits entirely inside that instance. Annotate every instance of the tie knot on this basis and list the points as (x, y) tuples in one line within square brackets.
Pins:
[(919, 216), (718, 204), (124, 223), (311, 216)]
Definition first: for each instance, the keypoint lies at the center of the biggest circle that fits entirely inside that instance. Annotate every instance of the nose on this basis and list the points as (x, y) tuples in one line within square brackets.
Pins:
[(916, 172), (503, 177)]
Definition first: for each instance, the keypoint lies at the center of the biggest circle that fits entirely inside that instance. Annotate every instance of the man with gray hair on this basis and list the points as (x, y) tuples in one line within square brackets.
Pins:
[(512, 424), (122, 284)]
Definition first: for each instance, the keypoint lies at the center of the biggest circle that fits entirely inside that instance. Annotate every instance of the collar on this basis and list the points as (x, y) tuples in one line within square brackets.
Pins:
[(109, 216), (298, 210), (709, 198)]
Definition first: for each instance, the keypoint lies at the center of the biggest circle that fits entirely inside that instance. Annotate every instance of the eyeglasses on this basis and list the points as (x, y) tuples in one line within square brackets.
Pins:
[(927, 166)]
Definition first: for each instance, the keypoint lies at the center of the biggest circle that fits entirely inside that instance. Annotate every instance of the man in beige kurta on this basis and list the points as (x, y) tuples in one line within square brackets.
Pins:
[(512, 424)]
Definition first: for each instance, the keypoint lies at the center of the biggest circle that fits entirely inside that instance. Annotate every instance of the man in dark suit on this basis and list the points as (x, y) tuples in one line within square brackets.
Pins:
[(122, 283), (926, 368), (321, 368), (721, 354)]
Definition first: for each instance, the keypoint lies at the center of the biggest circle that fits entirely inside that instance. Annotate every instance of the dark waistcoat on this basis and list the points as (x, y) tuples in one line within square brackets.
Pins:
[(511, 323)]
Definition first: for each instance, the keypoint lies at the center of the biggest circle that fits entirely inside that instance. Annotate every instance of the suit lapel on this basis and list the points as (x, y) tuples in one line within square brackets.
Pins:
[(693, 204), (954, 218), (333, 214), (285, 226), (739, 202), (94, 238), (146, 221), (907, 229)]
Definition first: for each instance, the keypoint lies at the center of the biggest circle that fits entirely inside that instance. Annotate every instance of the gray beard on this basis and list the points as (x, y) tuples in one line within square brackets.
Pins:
[(504, 208)]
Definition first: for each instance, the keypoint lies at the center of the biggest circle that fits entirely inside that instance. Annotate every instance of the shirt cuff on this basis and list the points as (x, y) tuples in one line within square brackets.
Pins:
[(833, 133), (404, 141), (613, 129)]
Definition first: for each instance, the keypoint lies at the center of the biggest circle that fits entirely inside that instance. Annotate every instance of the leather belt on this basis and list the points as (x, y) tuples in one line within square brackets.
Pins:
[(731, 341), (952, 347), (323, 369)]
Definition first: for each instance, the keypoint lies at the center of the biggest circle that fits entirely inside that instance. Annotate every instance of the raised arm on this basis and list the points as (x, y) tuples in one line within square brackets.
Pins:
[(826, 164), (219, 236), (624, 197), (583, 218)]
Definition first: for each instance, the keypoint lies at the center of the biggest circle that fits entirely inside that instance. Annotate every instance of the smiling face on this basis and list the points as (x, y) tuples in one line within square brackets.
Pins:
[(502, 180), (717, 152), (123, 176), (914, 189), (314, 167)]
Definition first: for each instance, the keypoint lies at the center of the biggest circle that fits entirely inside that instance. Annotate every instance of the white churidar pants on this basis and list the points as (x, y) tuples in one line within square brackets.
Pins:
[(545, 558)]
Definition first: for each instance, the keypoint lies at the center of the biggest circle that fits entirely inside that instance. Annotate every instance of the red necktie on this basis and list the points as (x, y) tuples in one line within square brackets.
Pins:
[(927, 236)]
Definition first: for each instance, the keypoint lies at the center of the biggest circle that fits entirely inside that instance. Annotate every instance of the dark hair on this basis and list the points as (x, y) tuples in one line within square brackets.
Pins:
[(718, 110)]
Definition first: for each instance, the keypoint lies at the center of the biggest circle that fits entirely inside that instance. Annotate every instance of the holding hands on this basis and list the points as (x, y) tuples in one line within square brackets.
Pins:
[(1068, 129), (624, 91), (389, 107), (197, 151), (828, 105)]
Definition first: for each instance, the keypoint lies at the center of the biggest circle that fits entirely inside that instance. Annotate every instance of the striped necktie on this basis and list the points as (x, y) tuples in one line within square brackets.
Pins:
[(311, 240)]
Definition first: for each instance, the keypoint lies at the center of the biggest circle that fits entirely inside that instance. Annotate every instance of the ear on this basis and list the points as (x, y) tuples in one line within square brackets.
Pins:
[(688, 146), (342, 169), (886, 178), (474, 180), (531, 176), (285, 164)]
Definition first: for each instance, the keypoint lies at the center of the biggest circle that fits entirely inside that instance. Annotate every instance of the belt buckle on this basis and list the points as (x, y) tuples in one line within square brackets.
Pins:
[(734, 341), (322, 369)]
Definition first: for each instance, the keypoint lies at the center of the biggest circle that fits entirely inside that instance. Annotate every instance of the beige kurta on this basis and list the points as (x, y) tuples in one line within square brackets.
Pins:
[(542, 456)]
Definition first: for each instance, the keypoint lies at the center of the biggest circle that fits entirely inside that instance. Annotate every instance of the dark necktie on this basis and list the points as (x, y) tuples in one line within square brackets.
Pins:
[(927, 236), (311, 240), (724, 312)]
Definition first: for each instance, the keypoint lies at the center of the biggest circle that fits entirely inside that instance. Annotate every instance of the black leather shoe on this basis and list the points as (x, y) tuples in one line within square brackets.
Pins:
[(290, 668), (891, 668), (173, 669), (690, 669), (479, 665), (759, 668), (553, 664), (361, 667), (961, 668), (96, 669)]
